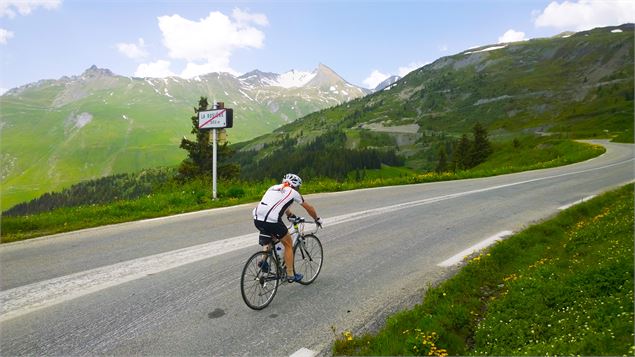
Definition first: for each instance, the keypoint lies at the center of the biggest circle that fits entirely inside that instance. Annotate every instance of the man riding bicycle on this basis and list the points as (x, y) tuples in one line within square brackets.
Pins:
[(268, 217)]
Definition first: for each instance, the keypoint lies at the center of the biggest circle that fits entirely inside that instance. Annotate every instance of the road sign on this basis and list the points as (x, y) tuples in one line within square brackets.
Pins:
[(215, 119)]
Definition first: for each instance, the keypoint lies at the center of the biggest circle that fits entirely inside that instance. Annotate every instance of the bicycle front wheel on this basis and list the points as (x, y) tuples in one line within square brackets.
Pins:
[(308, 258), (259, 281)]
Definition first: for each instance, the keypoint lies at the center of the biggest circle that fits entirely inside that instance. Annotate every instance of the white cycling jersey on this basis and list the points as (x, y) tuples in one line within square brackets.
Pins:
[(275, 202)]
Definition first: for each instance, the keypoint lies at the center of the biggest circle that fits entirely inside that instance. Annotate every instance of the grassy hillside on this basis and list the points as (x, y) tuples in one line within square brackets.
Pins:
[(59, 132), (562, 287), (105, 133)]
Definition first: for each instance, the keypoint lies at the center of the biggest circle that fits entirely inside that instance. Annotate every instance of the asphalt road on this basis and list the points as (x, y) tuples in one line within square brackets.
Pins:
[(171, 286)]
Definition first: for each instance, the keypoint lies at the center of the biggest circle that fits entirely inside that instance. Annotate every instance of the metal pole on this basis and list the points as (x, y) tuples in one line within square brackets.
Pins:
[(214, 163)]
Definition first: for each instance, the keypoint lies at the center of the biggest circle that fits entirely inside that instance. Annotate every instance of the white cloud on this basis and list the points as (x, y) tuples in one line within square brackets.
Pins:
[(377, 77), (586, 14), (512, 36), (243, 17), (443, 48), (5, 35), (403, 71), (207, 44), (10, 8), (374, 79), (3, 90), (158, 69), (135, 51)]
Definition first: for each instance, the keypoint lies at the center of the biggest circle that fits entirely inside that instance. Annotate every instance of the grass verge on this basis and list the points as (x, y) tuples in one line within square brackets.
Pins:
[(562, 287), (175, 198)]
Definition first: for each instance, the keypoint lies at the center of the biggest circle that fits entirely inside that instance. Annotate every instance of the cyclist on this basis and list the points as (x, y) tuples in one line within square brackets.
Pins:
[(268, 218)]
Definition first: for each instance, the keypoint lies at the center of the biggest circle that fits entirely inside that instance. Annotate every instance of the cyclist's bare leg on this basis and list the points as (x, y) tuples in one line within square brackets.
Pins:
[(288, 253)]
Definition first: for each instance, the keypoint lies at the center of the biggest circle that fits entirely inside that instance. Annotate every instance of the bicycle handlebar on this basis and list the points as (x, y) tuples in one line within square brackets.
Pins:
[(297, 220)]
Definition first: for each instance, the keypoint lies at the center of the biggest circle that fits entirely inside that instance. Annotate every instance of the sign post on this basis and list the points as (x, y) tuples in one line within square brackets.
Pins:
[(214, 161), (219, 117)]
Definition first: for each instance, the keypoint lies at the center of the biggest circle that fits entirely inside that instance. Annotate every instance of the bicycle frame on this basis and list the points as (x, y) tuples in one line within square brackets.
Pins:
[(297, 231)]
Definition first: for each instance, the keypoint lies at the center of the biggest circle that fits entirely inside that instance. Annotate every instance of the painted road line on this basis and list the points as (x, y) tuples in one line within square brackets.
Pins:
[(304, 352), (456, 259), (24, 299), (562, 208)]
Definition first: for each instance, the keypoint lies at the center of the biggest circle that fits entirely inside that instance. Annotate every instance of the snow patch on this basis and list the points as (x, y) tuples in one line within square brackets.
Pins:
[(245, 94), (487, 49), (293, 79), (616, 31)]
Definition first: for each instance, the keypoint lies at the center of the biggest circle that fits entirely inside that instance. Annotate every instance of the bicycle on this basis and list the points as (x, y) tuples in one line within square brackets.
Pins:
[(265, 270)]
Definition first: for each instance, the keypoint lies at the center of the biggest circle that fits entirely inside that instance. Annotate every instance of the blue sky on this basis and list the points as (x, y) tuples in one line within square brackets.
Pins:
[(363, 41)]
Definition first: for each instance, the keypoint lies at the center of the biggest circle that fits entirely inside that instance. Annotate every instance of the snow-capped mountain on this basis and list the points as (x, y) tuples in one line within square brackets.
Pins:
[(321, 77), (294, 79), (290, 79)]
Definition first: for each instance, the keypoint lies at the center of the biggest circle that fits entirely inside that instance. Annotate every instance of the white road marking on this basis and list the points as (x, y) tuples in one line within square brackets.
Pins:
[(562, 208), (25, 299), (304, 352), (456, 259)]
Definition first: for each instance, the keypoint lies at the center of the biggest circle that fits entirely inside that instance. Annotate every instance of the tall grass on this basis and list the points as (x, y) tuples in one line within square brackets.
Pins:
[(176, 197), (563, 287)]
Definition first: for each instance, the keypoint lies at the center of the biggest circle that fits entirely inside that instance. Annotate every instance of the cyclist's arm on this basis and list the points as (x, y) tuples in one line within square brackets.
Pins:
[(310, 210)]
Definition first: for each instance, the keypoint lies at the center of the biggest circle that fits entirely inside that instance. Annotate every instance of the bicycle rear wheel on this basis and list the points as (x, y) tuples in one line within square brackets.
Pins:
[(258, 285), (308, 258)]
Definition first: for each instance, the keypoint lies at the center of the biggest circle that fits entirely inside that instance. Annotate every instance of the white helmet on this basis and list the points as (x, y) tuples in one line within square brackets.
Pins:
[(294, 180)]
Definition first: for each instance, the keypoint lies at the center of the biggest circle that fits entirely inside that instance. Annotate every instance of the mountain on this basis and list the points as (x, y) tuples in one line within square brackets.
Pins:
[(386, 83), (59, 132), (575, 85)]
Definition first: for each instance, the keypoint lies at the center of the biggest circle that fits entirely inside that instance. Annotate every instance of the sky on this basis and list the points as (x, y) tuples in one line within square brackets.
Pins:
[(363, 41)]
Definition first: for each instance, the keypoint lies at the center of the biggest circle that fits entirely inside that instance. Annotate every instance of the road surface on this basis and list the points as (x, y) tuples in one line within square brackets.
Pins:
[(170, 286)]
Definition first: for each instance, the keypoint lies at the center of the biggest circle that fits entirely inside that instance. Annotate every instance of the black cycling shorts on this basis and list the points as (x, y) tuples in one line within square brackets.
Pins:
[(277, 229)]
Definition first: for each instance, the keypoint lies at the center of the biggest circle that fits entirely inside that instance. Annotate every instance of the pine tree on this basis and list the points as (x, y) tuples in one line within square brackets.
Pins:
[(481, 148), (461, 157), (442, 165)]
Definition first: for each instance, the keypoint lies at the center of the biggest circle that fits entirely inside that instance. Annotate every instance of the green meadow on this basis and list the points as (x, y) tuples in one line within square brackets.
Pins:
[(561, 287)]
